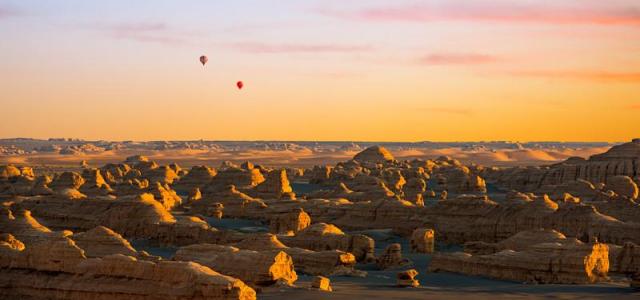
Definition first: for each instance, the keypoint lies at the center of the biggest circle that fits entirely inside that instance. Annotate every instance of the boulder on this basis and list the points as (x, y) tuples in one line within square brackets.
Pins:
[(407, 278)]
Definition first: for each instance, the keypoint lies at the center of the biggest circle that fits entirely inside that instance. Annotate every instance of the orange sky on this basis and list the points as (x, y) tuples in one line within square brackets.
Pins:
[(321, 70)]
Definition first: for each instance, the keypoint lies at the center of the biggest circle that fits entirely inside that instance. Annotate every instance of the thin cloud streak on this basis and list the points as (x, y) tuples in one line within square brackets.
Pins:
[(145, 32), (493, 12), (7, 12), (298, 48), (457, 59), (597, 76)]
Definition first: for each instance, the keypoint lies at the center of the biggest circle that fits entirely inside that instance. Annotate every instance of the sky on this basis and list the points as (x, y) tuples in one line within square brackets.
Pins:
[(430, 70)]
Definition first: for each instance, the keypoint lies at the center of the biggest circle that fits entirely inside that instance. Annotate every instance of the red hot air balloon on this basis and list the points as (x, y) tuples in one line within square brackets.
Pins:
[(240, 85), (204, 60)]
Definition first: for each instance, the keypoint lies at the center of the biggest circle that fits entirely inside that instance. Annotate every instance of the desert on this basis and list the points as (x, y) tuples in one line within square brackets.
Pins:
[(319, 149)]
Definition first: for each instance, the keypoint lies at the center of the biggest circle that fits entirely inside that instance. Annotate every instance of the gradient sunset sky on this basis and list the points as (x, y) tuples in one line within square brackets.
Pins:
[(563, 70)]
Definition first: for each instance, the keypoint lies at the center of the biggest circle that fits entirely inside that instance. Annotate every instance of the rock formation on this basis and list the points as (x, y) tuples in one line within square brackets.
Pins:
[(290, 223), (260, 268), (391, 258), (407, 278), (423, 240)]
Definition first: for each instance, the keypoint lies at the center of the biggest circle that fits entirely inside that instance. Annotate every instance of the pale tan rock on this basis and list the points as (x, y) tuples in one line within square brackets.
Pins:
[(321, 283), (290, 223), (57, 269), (161, 174), (276, 185), (407, 278), (198, 177), (165, 195), (243, 179), (325, 263), (236, 203), (376, 154), (260, 268), (102, 241), (570, 262), (322, 236), (423, 240)]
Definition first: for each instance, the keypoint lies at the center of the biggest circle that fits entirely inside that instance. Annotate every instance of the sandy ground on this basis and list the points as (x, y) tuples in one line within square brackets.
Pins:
[(301, 158)]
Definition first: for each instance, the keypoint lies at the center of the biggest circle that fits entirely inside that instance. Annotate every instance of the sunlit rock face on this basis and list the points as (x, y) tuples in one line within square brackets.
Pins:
[(260, 268), (620, 160), (37, 261), (374, 154), (197, 177), (560, 261), (290, 223)]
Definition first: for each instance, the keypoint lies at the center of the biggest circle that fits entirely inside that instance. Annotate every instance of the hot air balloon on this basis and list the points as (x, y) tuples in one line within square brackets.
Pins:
[(204, 60), (239, 84)]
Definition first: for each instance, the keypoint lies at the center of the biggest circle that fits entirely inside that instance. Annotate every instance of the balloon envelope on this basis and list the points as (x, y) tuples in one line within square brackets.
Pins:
[(203, 60), (239, 84)]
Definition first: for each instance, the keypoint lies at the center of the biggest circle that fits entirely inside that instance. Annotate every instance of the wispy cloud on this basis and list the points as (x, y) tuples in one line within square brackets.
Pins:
[(145, 32), (599, 76), (580, 13), (457, 59), (254, 47), (633, 106), (8, 12)]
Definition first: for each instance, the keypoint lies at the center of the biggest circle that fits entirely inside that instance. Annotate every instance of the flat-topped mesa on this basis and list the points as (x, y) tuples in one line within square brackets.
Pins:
[(374, 154), (260, 268), (565, 262), (325, 263), (322, 236), (236, 203), (621, 159), (197, 177), (57, 268), (241, 178)]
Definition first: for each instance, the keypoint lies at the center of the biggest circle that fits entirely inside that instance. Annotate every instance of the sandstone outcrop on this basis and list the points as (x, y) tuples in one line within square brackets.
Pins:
[(375, 154), (290, 223), (423, 240), (407, 278), (322, 236), (391, 258), (569, 262), (102, 241), (58, 269), (260, 268), (321, 283), (325, 263)]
